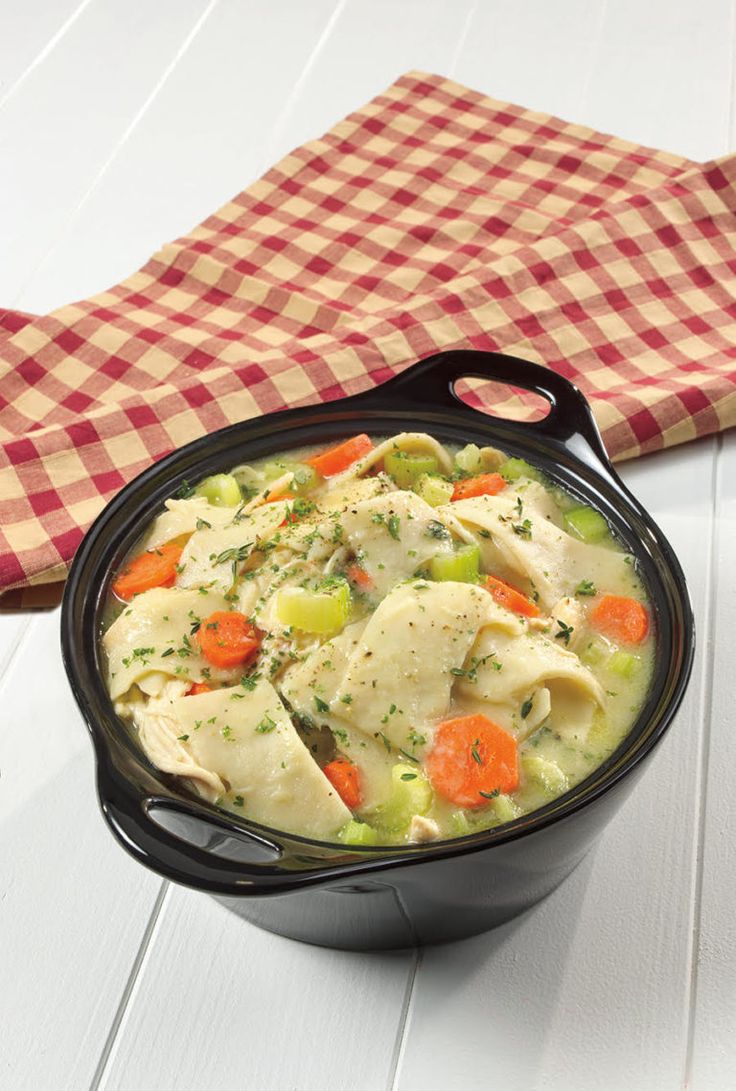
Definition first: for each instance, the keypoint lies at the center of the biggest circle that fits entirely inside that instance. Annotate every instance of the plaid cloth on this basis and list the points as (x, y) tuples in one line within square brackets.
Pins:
[(432, 218)]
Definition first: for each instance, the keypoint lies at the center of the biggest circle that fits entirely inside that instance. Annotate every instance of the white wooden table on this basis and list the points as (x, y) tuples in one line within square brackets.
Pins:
[(122, 123)]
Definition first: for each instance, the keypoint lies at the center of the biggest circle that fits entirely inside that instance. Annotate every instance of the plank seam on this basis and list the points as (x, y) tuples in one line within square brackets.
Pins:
[(130, 984), (280, 123), (47, 49), (709, 635), (407, 1007), (14, 650)]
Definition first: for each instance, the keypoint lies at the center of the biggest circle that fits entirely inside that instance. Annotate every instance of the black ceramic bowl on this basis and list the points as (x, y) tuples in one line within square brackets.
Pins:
[(362, 897)]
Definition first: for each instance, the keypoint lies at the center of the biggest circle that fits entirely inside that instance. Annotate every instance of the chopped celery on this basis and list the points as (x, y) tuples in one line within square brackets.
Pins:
[(463, 565), (459, 825), (586, 523), (514, 468), (547, 774), (624, 663), (221, 490), (304, 477), (594, 653), (505, 808), (469, 459), (406, 468), (434, 490), (410, 794), (358, 833), (322, 610)]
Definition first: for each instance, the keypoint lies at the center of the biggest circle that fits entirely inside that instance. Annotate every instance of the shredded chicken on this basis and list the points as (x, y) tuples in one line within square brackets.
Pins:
[(423, 829)]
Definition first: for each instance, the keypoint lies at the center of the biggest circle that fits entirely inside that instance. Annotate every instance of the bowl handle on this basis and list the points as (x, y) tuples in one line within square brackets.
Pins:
[(191, 844), (569, 423)]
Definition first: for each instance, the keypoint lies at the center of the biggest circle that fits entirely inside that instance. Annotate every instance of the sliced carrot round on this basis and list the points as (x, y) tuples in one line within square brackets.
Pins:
[(336, 459), (154, 568), (622, 619), (345, 779), (471, 760), (227, 639), (482, 485), (505, 594)]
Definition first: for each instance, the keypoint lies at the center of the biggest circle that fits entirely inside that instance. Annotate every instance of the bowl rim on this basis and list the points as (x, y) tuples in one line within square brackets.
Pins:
[(589, 467)]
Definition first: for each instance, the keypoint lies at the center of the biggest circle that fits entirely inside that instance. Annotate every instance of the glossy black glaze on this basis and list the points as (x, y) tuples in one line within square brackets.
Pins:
[(371, 898)]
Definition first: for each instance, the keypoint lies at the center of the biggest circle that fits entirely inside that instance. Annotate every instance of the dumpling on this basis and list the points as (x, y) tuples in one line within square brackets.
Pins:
[(527, 678), (154, 634), (214, 556), (399, 677), (184, 517), (392, 535), (248, 740), (309, 688), (520, 540), (413, 442)]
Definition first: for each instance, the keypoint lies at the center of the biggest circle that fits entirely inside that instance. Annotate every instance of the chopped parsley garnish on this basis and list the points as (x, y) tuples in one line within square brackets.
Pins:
[(347, 698), (202, 524), (266, 724), (238, 801), (182, 738), (436, 529), (184, 491), (526, 708), (169, 651), (394, 524), (408, 776), (475, 753), (565, 632), (585, 587), (489, 795), (320, 705), (524, 530)]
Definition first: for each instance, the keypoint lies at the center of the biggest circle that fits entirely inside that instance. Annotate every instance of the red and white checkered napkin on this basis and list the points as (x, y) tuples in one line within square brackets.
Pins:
[(432, 218)]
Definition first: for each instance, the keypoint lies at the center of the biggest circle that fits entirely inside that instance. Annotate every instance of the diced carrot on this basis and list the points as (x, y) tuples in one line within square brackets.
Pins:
[(336, 459), (281, 496), (345, 779), (472, 760), (505, 594), (227, 639), (620, 618), (482, 485), (196, 688), (154, 568), (359, 577)]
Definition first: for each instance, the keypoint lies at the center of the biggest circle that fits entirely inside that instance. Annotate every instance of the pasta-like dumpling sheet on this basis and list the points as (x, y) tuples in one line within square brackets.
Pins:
[(310, 688), (519, 540), (159, 733), (152, 634), (248, 740), (537, 678), (182, 517), (411, 442), (399, 677), (214, 556), (393, 535)]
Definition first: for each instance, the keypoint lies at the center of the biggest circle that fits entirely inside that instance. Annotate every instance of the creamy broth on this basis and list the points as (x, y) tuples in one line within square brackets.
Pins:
[(390, 641)]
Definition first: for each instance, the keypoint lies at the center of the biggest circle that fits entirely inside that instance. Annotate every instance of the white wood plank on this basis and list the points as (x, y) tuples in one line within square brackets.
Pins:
[(662, 74), (537, 55), (200, 142), (73, 907), (596, 979), (31, 29), (713, 1061), (192, 151), (12, 627), (237, 1007), (57, 131)]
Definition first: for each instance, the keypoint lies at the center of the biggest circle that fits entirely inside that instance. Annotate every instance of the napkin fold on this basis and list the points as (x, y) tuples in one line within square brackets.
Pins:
[(432, 218)]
